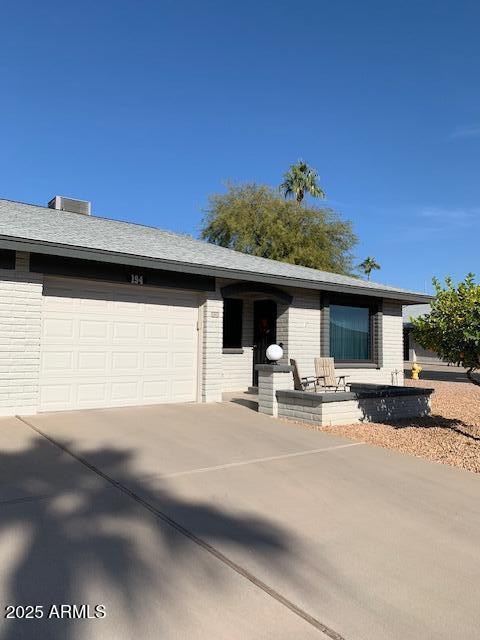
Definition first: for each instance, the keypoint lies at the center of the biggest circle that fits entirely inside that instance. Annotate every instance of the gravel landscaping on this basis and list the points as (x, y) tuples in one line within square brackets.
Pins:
[(451, 435)]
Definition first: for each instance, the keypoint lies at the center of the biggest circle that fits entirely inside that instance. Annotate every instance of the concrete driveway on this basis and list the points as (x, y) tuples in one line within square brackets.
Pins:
[(211, 521)]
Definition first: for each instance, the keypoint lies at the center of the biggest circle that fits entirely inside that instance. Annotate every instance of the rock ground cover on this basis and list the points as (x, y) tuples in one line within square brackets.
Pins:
[(450, 435)]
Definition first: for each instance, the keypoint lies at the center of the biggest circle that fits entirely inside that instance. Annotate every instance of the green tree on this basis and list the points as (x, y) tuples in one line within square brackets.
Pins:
[(254, 219), (368, 265), (452, 328), (299, 180)]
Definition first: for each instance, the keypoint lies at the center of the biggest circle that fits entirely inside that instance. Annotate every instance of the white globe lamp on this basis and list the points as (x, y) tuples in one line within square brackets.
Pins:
[(274, 353)]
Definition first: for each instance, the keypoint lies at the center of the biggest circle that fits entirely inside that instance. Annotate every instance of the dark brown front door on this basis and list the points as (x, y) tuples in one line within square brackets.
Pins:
[(264, 332)]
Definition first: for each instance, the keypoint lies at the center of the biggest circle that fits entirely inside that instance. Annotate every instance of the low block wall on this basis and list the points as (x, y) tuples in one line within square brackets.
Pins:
[(364, 403)]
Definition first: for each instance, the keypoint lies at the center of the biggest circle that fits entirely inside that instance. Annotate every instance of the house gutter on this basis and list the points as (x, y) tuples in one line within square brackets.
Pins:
[(68, 251)]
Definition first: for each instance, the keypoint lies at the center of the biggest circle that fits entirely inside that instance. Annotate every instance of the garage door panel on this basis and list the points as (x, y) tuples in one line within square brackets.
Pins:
[(126, 392), (157, 390), (157, 309), (182, 332), (92, 361), (126, 361), (92, 302), (157, 330), (155, 361), (59, 327), (91, 393), (110, 345), (61, 304), (182, 389), (127, 305), (181, 360), (57, 362), (93, 330), (126, 330), (56, 395)]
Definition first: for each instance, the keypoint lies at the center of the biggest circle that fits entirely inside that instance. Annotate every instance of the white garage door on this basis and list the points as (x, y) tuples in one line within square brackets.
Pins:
[(107, 345)]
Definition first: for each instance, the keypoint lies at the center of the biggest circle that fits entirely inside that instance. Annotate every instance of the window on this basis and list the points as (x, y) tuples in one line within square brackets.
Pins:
[(232, 323), (350, 333)]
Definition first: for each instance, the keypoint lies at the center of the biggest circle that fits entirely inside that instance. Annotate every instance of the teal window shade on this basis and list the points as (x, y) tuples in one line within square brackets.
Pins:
[(350, 337)]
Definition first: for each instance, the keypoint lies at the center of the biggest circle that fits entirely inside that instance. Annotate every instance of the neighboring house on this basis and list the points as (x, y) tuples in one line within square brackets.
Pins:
[(412, 351), (101, 313)]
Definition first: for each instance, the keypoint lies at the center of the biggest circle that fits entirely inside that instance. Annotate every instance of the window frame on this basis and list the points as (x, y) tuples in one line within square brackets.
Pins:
[(375, 308), (232, 346)]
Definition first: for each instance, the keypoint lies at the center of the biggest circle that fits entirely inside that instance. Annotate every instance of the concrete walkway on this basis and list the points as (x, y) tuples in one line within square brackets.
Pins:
[(211, 521)]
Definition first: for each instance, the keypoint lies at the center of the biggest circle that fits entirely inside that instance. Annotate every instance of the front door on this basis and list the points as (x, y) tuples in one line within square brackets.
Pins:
[(264, 332)]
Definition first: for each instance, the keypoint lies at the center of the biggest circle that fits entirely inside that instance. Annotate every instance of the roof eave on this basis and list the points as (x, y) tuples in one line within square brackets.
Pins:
[(20, 244)]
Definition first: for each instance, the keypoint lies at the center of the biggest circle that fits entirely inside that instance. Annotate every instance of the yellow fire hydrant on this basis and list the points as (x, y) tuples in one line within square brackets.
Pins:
[(416, 368)]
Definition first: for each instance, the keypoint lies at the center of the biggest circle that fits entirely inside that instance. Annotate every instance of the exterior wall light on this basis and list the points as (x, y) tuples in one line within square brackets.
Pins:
[(274, 353)]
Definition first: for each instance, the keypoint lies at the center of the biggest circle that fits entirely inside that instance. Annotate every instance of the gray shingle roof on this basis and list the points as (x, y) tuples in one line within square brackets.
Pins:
[(59, 229), (415, 311)]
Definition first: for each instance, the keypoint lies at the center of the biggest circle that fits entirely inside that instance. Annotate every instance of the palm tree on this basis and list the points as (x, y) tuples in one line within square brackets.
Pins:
[(368, 265), (301, 179)]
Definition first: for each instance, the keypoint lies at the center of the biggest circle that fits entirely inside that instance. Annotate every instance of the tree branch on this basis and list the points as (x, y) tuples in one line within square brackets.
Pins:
[(472, 379)]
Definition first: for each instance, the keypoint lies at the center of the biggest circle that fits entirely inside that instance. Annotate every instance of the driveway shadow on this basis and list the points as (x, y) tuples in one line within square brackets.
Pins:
[(76, 527)]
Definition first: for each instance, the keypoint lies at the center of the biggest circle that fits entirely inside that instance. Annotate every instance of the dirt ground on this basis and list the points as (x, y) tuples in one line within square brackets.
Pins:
[(450, 435)]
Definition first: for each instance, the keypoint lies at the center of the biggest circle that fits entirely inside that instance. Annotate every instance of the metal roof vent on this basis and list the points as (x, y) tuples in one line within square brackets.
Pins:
[(69, 204)]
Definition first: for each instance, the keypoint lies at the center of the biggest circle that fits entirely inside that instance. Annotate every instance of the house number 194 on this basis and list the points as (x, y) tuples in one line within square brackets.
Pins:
[(136, 279)]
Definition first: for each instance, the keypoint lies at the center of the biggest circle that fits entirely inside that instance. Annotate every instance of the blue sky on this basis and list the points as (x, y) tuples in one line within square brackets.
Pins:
[(147, 107)]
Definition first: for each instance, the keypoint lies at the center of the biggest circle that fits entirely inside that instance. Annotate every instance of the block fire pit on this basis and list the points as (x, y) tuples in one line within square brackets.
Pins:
[(362, 403)]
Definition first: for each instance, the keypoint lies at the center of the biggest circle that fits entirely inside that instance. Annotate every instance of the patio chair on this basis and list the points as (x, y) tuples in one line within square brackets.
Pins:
[(326, 376), (302, 384)]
